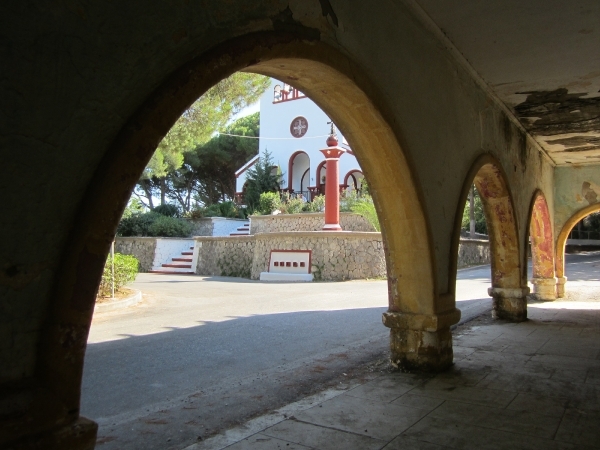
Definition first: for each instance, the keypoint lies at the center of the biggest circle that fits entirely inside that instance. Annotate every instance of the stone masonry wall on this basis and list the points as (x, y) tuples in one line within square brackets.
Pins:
[(305, 222), (225, 256), (202, 227), (336, 256), (143, 248), (473, 252)]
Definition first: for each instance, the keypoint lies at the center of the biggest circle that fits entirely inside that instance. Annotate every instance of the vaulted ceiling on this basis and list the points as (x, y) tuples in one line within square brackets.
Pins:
[(542, 60)]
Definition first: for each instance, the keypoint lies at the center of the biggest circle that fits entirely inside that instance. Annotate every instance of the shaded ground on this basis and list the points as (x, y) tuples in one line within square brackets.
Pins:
[(200, 355)]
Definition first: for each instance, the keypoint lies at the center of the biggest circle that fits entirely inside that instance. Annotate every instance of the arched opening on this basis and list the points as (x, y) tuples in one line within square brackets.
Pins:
[(320, 71), (299, 173), (353, 180), (542, 249), (561, 242), (509, 296), (320, 176)]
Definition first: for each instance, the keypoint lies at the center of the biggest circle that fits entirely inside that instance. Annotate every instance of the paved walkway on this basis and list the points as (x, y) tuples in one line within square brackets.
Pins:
[(533, 385)]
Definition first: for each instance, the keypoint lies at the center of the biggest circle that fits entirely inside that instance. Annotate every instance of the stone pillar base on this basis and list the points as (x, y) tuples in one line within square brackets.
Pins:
[(544, 288), (560, 286), (80, 435), (420, 341), (509, 304)]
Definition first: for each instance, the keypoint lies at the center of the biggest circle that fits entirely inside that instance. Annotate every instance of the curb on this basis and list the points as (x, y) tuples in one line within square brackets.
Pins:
[(133, 299)]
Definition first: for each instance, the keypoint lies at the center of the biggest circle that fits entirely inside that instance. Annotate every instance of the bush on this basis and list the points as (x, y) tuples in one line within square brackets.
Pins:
[(167, 210), (292, 206), (350, 201), (317, 204), (126, 268), (153, 224), (224, 209), (137, 224), (269, 202), (367, 210), (165, 226)]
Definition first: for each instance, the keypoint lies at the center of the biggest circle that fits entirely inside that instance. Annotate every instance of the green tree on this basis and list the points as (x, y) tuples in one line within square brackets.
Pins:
[(263, 176), (480, 223), (197, 124), (207, 175)]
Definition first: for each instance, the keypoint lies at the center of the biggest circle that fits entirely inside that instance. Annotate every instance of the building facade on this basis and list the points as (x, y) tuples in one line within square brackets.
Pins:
[(293, 129)]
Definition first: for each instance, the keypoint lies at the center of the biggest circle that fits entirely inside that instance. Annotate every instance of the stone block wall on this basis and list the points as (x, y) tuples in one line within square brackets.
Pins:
[(336, 256), (202, 227), (215, 226), (305, 222), (143, 248), (229, 256), (473, 252)]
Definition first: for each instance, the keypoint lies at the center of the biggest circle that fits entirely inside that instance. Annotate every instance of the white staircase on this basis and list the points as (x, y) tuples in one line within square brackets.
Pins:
[(244, 230), (179, 264)]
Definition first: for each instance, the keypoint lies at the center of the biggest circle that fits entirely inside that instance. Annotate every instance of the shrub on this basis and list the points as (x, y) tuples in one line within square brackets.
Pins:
[(317, 204), (350, 201), (292, 206), (167, 210), (165, 226), (367, 210), (137, 224), (269, 202), (126, 268), (224, 209)]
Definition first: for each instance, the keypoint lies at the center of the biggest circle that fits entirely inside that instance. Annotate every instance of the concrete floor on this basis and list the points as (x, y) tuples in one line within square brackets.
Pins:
[(533, 385)]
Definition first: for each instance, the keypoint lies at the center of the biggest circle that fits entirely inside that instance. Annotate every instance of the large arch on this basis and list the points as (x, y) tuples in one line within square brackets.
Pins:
[(507, 289), (356, 176), (561, 241), (419, 321), (542, 248), (297, 171)]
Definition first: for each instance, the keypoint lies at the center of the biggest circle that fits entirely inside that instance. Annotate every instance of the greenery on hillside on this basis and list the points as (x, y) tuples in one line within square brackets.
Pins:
[(191, 143)]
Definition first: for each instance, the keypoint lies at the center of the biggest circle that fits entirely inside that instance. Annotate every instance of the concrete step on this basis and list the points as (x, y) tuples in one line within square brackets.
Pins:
[(187, 253), (178, 266), (171, 272), (182, 259), (241, 233)]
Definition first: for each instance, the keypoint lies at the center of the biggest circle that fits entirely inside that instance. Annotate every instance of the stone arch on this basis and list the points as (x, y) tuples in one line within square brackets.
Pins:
[(542, 251), (420, 334), (507, 291), (561, 241), (351, 176), (319, 174), (296, 174)]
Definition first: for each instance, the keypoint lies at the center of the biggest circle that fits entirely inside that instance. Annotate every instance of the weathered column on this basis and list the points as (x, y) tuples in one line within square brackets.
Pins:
[(560, 286), (509, 303), (332, 191), (544, 288), (421, 341)]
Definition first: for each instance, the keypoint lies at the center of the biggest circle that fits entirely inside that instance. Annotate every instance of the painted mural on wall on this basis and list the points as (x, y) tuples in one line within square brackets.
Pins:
[(576, 187)]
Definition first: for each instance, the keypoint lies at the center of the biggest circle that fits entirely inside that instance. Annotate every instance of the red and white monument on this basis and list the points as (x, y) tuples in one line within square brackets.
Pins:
[(332, 188)]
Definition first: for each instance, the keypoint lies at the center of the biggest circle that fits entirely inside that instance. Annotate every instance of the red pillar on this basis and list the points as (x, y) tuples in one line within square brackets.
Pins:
[(332, 189)]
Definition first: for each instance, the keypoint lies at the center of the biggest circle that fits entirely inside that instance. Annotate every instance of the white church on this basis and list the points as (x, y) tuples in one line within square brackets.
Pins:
[(293, 129)]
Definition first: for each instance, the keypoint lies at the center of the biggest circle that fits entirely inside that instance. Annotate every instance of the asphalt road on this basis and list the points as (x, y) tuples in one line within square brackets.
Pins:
[(200, 354)]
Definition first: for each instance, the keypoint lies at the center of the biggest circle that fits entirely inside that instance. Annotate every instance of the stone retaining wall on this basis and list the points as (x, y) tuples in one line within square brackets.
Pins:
[(336, 256), (225, 256), (143, 248), (305, 222), (473, 252), (215, 226)]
